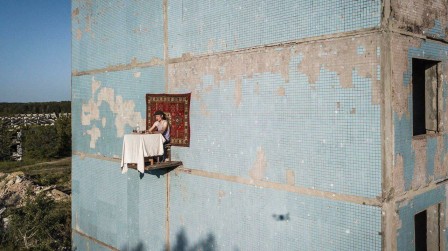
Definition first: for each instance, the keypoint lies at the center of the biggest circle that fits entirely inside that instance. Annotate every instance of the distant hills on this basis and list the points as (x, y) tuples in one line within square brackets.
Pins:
[(8, 109)]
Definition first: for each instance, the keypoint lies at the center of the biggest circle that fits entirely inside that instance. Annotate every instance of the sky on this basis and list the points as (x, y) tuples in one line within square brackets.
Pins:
[(35, 60)]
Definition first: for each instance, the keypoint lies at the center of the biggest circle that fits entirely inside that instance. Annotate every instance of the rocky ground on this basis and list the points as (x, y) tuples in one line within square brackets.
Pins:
[(48, 178)]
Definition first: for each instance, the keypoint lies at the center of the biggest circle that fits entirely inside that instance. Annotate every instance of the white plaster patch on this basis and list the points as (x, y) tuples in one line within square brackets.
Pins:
[(103, 122), (123, 111), (94, 133), (90, 112), (137, 74), (95, 85)]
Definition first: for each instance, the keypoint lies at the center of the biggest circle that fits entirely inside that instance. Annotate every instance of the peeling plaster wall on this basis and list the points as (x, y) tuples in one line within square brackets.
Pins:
[(108, 105), (420, 161), (110, 209), (428, 17), (200, 27), (324, 125), (298, 117), (408, 209)]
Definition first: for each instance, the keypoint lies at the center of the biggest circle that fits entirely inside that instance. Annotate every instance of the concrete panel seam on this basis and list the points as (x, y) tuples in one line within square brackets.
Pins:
[(94, 240), (121, 67), (165, 41), (410, 34), (167, 223), (264, 184), (385, 14), (283, 187), (83, 155), (362, 32), (414, 193), (387, 139), (165, 57)]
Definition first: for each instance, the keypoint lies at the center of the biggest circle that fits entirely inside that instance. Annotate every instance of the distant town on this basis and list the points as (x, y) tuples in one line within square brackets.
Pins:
[(16, 122)]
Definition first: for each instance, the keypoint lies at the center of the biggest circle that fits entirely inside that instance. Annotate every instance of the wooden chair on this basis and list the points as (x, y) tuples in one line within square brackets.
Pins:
[(168, 151)]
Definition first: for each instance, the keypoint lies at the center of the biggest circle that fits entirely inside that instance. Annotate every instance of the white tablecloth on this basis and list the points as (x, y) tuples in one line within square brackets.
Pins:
[(138, 146)]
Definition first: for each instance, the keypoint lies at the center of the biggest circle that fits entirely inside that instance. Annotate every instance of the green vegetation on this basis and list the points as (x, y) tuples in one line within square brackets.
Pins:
[(12, 166), (5, 142), (9, 109), (46, 142), (42, 224)]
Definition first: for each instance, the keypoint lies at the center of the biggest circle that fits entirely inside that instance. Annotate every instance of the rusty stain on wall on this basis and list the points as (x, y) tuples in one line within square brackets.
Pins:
[(221, 194), (400, 91), (290, 177), (75, 12), (419, 16), (281, 91), (238, 94), (398, 174), (204, 110), (440, 168), (444, 84), (258, 170), (88, 27), (419, 178), (78, 34)]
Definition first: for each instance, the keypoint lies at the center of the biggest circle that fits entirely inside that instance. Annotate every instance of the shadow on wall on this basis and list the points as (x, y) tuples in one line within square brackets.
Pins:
[(205, 244), (157, 172), (138, 247)]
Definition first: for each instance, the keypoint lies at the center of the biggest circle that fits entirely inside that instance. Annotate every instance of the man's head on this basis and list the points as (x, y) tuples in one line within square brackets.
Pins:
[(159, 115)]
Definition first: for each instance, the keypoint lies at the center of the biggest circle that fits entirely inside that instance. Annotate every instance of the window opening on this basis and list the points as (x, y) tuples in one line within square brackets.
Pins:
[(428, 229), (424, 96), (420, 222)]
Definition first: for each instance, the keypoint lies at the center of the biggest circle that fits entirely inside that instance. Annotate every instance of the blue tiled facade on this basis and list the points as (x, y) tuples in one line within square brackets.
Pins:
[(287, 125)]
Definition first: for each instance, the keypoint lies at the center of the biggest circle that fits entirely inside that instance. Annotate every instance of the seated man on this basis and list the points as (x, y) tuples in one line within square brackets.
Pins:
[(161, 125)]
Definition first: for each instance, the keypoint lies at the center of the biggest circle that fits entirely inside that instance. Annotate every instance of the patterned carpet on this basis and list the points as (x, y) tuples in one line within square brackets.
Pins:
[(177, 109)]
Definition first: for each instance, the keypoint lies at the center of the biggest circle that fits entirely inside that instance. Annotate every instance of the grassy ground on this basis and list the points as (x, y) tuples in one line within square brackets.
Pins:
[(44, 173)]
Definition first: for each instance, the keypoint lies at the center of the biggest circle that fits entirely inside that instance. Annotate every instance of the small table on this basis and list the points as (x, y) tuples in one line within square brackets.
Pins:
[(138, 146)]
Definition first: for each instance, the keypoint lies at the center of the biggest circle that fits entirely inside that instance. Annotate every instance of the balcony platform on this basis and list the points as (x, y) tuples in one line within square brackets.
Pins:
[(155, 165)]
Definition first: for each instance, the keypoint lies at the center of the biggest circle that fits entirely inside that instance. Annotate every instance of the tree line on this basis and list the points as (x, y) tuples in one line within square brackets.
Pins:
[(10, 109)]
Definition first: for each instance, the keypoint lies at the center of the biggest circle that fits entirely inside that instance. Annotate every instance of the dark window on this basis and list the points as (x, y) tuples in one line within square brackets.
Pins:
[(424, 96), (428, 229), (420, 231)]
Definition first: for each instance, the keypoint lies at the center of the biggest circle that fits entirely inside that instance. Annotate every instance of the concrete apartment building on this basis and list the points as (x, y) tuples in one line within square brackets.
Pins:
[(314, 125)]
